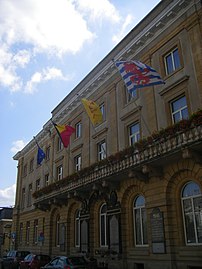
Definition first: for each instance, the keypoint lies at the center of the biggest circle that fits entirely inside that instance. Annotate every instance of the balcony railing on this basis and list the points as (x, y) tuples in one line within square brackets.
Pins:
[(184, 142)]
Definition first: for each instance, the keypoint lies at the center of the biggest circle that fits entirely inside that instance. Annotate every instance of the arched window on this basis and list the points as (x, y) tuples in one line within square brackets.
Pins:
[(77, 228), (192, 213), (57, 232), (140, 221), (103, 225)]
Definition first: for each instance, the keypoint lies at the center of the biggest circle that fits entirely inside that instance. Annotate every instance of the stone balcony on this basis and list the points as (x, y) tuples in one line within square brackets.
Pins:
[(140, 163)]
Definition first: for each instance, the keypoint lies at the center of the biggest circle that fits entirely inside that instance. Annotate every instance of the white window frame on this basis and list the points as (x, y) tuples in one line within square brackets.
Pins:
[(23, 198), (179, 110), (59, 144), (29, 198), (77, 229), (59, 172), (193, 213), (140, 209), (171, 53), (102, 150), (135, 135), (103, 216), (36, 231), (77, 161), (78, 128), (46, 180), (27, 232), (57, 232), (38, 181), (21, 233), (103, 111)]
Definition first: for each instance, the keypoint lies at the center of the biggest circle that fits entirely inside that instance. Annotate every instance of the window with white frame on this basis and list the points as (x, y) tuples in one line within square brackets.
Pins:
[(77, 161), (46, 180), (28, 232), (21, 233), (31, 165), (140, 221), (35, 235), (38, 184), (102, 150), (78, 129), (25, 170), (47, 154), (192, 213), (172, 61), (134, 133), (130, 94), (59, 144), (77, 228), (102, 109), (103, 226), (179, 109), (59, 172), (57, 232), (23, 198), (29, 198)]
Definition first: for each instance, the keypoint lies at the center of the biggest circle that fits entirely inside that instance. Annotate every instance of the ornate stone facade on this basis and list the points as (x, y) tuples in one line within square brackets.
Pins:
[(140, 205)]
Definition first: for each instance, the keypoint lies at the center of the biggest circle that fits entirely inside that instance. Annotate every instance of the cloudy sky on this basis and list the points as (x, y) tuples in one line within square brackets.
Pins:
[(46, 48)]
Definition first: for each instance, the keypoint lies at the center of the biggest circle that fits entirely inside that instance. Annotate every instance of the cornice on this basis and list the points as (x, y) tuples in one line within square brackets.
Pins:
[(137, 40)]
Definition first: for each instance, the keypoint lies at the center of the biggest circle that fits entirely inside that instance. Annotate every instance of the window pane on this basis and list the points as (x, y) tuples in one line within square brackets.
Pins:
[(102, 224), (191, 189), (140, 201), (198, 215), (169, 64), (189, 221), (176, 58), (138, 227), (144, 226)]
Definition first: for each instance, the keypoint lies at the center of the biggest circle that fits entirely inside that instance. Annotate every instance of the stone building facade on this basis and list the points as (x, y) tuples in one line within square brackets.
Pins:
[(6, 237), (128, 191)]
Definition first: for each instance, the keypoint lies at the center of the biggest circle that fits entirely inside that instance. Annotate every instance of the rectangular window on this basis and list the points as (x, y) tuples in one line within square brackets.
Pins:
[(35, 235), (130, 94), (78, 129), (47, 153), (77, 161), (59, 144), (28, 232), (21, 233), (102, 150), (102, 109), (23, 198), (29, 201), (179, 109), (38, 184), (31, 165), (25, 170), (134, 133), (59, 172), (172, 61), (46, 183)]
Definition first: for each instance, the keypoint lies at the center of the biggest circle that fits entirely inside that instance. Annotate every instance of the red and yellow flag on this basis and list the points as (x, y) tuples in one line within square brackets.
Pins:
[(93, 111), (64, 132)]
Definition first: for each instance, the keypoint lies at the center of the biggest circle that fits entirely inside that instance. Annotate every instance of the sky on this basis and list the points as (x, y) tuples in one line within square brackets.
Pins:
[(46, 48)]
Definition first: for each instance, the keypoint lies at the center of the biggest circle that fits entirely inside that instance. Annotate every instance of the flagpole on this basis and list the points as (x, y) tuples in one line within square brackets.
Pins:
[(49, 170)]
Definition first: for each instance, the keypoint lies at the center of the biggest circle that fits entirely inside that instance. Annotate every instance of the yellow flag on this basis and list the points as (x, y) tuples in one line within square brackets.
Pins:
[(93, 111)]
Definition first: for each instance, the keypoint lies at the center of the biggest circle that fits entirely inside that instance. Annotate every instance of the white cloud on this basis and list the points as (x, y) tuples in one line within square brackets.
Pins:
[(7, 196), (98, 11), (117, 38), (17, 146), (48, 26), (48, 73)]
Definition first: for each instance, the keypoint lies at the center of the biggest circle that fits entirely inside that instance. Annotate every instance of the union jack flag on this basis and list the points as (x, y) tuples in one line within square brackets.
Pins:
[(138, 75)]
